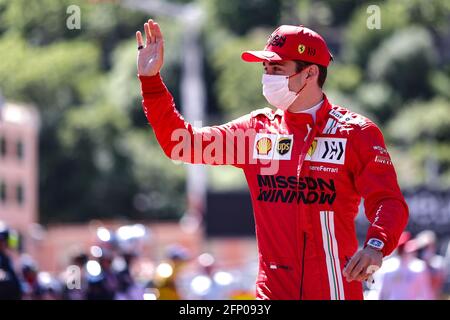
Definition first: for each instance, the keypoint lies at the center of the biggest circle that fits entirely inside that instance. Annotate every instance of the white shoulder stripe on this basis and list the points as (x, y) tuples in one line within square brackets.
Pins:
[(331, 126)]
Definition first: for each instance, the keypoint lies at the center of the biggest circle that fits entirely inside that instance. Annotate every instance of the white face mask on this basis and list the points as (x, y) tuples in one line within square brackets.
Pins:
[(276, 91)]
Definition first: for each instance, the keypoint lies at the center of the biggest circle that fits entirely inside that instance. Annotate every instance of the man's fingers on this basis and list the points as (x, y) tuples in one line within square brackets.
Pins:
[(362, 276), (358, 269), (148, 35), (351, 264), (152, 30), (160, 45), (157, 32), (139, 40)]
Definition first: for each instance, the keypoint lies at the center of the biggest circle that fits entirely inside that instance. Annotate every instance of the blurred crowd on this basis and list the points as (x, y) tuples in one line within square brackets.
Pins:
[(114, 268), (416, 271)]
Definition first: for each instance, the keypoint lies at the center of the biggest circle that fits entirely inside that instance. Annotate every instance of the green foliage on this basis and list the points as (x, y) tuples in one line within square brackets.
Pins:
[(162, 193), (40, 22), (343, 77), (342, 9), (359, 42), (440, 81), (238, 85), (51, 77), (379, 99), (97, 153), (241, 16), (118, 153), (404, 62), (422, 120), (433, 14)]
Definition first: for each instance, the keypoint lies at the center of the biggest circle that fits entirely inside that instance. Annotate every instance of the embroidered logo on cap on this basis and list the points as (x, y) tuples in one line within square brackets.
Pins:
[(301, 48)]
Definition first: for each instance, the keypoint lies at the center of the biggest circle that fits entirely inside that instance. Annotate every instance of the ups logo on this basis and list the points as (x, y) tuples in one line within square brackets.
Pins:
[(284, 145)]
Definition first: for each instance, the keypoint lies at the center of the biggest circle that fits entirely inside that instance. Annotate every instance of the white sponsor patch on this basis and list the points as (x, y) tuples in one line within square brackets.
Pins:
[(270, 146), (339, 116), (328, 150), (331, 126)]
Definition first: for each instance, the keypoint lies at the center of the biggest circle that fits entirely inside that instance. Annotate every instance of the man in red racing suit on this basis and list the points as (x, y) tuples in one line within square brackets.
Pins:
[(307, 172)]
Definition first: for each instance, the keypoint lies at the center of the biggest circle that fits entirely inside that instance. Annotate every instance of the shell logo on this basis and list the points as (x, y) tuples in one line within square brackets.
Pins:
[(264, 145)]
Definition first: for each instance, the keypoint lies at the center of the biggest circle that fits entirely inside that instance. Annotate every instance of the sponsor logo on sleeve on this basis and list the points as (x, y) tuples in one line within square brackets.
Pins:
[(380, 150), (383, 160), (348, 119), (327, 150)]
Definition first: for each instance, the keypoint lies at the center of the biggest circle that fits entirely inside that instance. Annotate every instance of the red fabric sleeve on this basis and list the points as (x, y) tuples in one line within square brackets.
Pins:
[(225, 144), (376, 181)]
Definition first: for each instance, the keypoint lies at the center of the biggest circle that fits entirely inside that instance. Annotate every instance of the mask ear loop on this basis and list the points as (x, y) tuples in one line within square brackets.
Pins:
[(298, 92)]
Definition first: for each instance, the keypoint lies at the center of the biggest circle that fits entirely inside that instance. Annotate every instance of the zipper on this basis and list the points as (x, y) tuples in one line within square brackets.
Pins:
[(309, 138), (303, 265)]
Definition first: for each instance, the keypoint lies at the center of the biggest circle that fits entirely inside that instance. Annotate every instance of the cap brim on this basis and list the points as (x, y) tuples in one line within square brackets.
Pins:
[(260, 56)]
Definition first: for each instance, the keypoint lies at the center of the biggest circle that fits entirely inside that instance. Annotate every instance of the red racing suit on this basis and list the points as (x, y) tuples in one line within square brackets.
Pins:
[(306, 181)]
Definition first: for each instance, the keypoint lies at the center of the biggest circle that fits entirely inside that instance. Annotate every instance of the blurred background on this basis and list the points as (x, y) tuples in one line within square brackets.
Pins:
[(90, 206)]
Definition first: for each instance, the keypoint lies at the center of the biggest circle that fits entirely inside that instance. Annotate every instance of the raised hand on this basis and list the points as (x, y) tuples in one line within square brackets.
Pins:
[(150, 57)]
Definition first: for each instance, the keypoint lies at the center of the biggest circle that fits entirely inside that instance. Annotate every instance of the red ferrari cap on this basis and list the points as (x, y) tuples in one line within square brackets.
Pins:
[(292, 43)]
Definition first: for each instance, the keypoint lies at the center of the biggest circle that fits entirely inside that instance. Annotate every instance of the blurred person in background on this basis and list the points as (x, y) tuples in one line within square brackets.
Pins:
[(97, 288), (108, 272), (168, 272), (10, 288), (32, 289), (406, 277), (307, 165), (435, 263), (204, 284), (101, 280), (127, 288)]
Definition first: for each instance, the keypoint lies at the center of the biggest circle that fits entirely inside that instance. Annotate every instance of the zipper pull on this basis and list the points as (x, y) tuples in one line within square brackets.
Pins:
[(309, 131)]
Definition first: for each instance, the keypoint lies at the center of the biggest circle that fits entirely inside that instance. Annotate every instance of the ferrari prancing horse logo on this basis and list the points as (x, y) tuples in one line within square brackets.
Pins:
[(301, 48), (312, 148)]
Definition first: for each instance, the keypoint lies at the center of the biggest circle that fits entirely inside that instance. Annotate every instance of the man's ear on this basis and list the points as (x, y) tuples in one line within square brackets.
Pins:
[(313, 71)]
